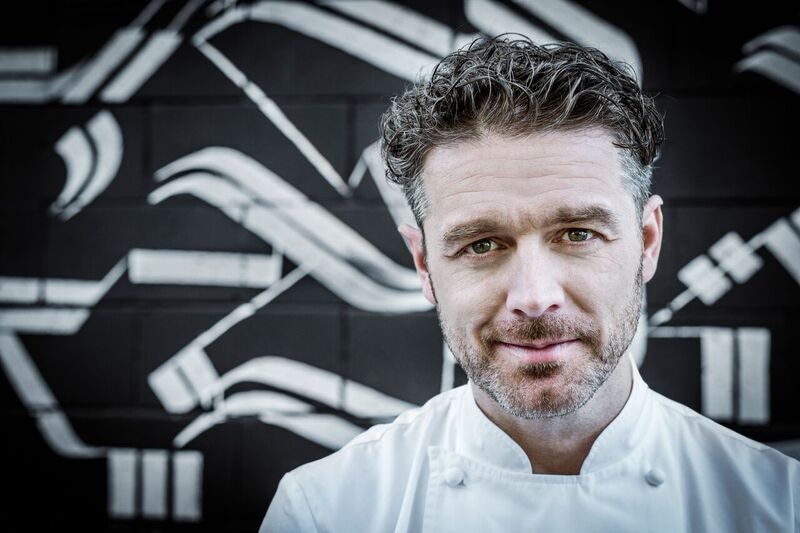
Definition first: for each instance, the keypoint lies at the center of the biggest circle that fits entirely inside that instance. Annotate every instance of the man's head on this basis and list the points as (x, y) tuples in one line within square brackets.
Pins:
[(514, 88), (529, 169)]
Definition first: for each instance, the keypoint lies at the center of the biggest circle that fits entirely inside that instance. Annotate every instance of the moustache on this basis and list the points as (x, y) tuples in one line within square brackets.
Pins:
[(541, 329)]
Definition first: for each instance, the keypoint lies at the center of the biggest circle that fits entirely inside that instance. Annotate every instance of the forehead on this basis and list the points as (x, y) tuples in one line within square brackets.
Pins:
[(525, 176)]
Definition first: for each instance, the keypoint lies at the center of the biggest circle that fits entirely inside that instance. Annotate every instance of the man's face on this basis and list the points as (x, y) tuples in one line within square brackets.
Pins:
[(535, 259)]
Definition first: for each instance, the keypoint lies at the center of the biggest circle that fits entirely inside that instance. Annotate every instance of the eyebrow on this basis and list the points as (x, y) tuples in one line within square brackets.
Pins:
[(563, 216)]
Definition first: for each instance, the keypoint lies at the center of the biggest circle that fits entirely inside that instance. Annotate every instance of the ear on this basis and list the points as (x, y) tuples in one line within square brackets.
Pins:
[(652, 231), (414, 241)]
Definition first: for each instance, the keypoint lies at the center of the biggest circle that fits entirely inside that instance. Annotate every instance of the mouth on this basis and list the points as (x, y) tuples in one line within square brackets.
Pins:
[(539, 351)]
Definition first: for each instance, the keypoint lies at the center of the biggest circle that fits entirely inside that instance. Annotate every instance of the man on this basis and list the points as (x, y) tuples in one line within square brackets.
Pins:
[(528, 171)]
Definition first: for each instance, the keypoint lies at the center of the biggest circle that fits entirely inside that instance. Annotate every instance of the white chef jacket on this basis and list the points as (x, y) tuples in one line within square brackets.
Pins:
[(445, 467)]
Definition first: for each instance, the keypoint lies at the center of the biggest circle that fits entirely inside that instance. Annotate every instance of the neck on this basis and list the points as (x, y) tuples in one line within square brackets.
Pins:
[(559, 445)]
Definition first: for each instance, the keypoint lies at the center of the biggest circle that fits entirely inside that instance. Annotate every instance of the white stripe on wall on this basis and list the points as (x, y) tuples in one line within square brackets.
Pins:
[(28, 60), (754, 347), (122, 466), (180, 267), (47, 321), (158, 49), (784, 243), (154, 484), (716, 372), (187, 486), (493, 18), (101, 65)]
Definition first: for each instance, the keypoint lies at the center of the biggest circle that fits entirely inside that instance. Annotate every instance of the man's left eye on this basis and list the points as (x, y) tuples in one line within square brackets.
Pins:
[(578, 235)]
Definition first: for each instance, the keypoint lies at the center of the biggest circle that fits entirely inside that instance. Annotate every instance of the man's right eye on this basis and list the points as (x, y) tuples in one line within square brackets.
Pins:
[(483, 246)]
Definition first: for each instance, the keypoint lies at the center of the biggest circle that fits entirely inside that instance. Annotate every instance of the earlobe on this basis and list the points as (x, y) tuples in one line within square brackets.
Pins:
[(652, 231), (414, 240)]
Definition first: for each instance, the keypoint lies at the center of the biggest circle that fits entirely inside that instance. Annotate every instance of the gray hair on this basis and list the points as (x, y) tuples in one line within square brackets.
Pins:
[(514, 87)]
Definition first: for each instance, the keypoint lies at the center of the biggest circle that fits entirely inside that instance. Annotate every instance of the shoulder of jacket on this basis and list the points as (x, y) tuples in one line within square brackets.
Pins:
[(706, 426)]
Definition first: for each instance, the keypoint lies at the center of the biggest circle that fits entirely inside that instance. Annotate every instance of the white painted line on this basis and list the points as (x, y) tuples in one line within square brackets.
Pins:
[(78, 292), (19, 290), (198, 369), (147, 13), (171, 389), (28, 60), (187, 486), (367, 402), (76, 152), (493, 18), (704, 279), (106, 136), (773, 66), (180, 267), (585, 28), (364, 43), (399, 21), (784, 243), (680, 332), (795, 218), (45, 321), (716, 373), (184, 14), (101, 65), (783, 38), (392, 195), (326, 430), (754, 348), (662, 316), (271, 110), (60, 435), (736, 257), (160, 47), (248, 403), (680, 301), (154, 484), (23, 375), (35, 90), (122, 466)]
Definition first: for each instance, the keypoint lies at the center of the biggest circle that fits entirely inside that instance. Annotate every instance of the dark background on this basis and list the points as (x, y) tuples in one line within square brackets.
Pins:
[(729, 164)]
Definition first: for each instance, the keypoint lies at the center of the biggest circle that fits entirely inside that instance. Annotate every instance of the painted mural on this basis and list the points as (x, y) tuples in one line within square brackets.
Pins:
[(285, 300)]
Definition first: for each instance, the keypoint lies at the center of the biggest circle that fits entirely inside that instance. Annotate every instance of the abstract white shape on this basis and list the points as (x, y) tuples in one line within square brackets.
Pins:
[(28, 60), (391, 194), (367, 402), (364, 43), (23, 375), (716, 372), (105, 134), (786, 38), (493, 18), (754, 347), (60, 435), (35, 90), (704, 279), (19, 290), (44, 321), (181, 267), (783, 242), (736, 257), (774, 66), (187, 486), (271, 110), (399, 21), (122, 485), (76, 152), (587, 29), (171, 388), (161, 45), (198, 370), (154, 484), (97, 69)]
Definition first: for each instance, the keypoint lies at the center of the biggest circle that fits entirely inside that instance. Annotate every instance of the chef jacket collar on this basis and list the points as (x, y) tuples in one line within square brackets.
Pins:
[(482, 440)]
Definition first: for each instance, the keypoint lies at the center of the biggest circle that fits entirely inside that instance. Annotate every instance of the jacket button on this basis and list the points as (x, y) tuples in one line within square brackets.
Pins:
[(454, 476), (655, 477)]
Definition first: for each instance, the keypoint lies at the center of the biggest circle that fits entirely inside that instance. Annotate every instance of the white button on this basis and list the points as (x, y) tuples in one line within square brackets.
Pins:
[(454, 476), (655, 477)]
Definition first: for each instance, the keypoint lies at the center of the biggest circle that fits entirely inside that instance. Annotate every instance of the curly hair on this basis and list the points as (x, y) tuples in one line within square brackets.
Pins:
[(514, 87)]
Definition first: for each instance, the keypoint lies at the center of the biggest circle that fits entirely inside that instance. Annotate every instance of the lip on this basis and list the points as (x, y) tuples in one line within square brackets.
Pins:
[(542, 351)]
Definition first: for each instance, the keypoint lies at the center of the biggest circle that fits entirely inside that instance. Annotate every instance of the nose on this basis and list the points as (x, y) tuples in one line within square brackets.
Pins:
[(535, 285)]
